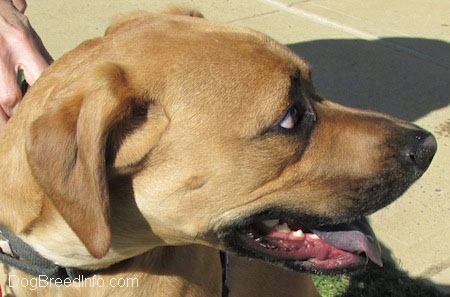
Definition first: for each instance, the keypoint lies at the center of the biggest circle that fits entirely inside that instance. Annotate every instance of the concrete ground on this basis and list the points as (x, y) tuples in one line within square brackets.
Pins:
[(390, 56)]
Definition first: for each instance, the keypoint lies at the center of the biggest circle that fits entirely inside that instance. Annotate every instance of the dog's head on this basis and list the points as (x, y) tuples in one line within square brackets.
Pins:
[(172, 130)]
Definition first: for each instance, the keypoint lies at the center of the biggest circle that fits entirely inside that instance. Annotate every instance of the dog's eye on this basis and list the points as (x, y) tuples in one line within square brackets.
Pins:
[(290, 119)]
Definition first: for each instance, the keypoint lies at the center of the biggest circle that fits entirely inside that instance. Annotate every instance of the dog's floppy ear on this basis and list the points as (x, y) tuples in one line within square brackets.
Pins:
[(84, 133)]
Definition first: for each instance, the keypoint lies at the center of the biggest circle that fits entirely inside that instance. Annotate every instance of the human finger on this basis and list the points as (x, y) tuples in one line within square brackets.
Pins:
[(33, 66), (10, 92), (21, 5)]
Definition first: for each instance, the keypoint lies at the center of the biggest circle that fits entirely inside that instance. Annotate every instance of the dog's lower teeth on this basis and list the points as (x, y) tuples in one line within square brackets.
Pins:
[(267, 245)]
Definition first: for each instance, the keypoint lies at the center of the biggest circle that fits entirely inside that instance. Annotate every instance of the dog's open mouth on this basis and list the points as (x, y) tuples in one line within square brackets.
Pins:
[(331, 249)]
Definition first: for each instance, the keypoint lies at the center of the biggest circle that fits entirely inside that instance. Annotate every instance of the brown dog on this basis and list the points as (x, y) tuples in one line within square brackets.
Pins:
[(139, 154)]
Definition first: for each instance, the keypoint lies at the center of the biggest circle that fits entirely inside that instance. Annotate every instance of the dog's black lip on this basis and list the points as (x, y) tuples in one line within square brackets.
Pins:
[(310, 220), (232, 238)]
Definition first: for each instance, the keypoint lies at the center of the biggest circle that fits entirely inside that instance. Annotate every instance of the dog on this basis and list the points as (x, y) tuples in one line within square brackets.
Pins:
[(140, 154)]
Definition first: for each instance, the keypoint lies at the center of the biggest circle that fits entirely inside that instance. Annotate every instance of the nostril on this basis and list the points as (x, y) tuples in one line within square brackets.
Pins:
[(412, 157), (423, 150)]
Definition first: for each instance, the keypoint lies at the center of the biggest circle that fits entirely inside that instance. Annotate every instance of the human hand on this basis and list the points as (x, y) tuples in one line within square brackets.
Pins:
[(20, 48), (21, 5)]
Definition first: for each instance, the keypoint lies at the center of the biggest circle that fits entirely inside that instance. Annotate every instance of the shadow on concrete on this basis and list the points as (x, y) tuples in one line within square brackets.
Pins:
[(404, 77), (390, 281)]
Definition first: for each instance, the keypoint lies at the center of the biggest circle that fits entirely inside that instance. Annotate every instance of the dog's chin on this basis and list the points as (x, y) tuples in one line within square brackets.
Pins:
[(303, 245)]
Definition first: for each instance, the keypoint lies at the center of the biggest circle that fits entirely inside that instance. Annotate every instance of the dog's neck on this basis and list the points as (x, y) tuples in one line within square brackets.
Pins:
[(22, 203)]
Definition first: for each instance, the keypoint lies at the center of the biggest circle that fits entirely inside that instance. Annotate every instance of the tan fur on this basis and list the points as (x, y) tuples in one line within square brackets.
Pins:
[(138, 147)]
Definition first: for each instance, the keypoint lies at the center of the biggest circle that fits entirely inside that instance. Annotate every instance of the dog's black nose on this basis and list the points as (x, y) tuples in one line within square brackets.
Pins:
[(421, 148)]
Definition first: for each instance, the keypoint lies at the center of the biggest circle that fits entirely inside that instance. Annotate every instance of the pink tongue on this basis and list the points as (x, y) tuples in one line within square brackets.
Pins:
[(356, 237)]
